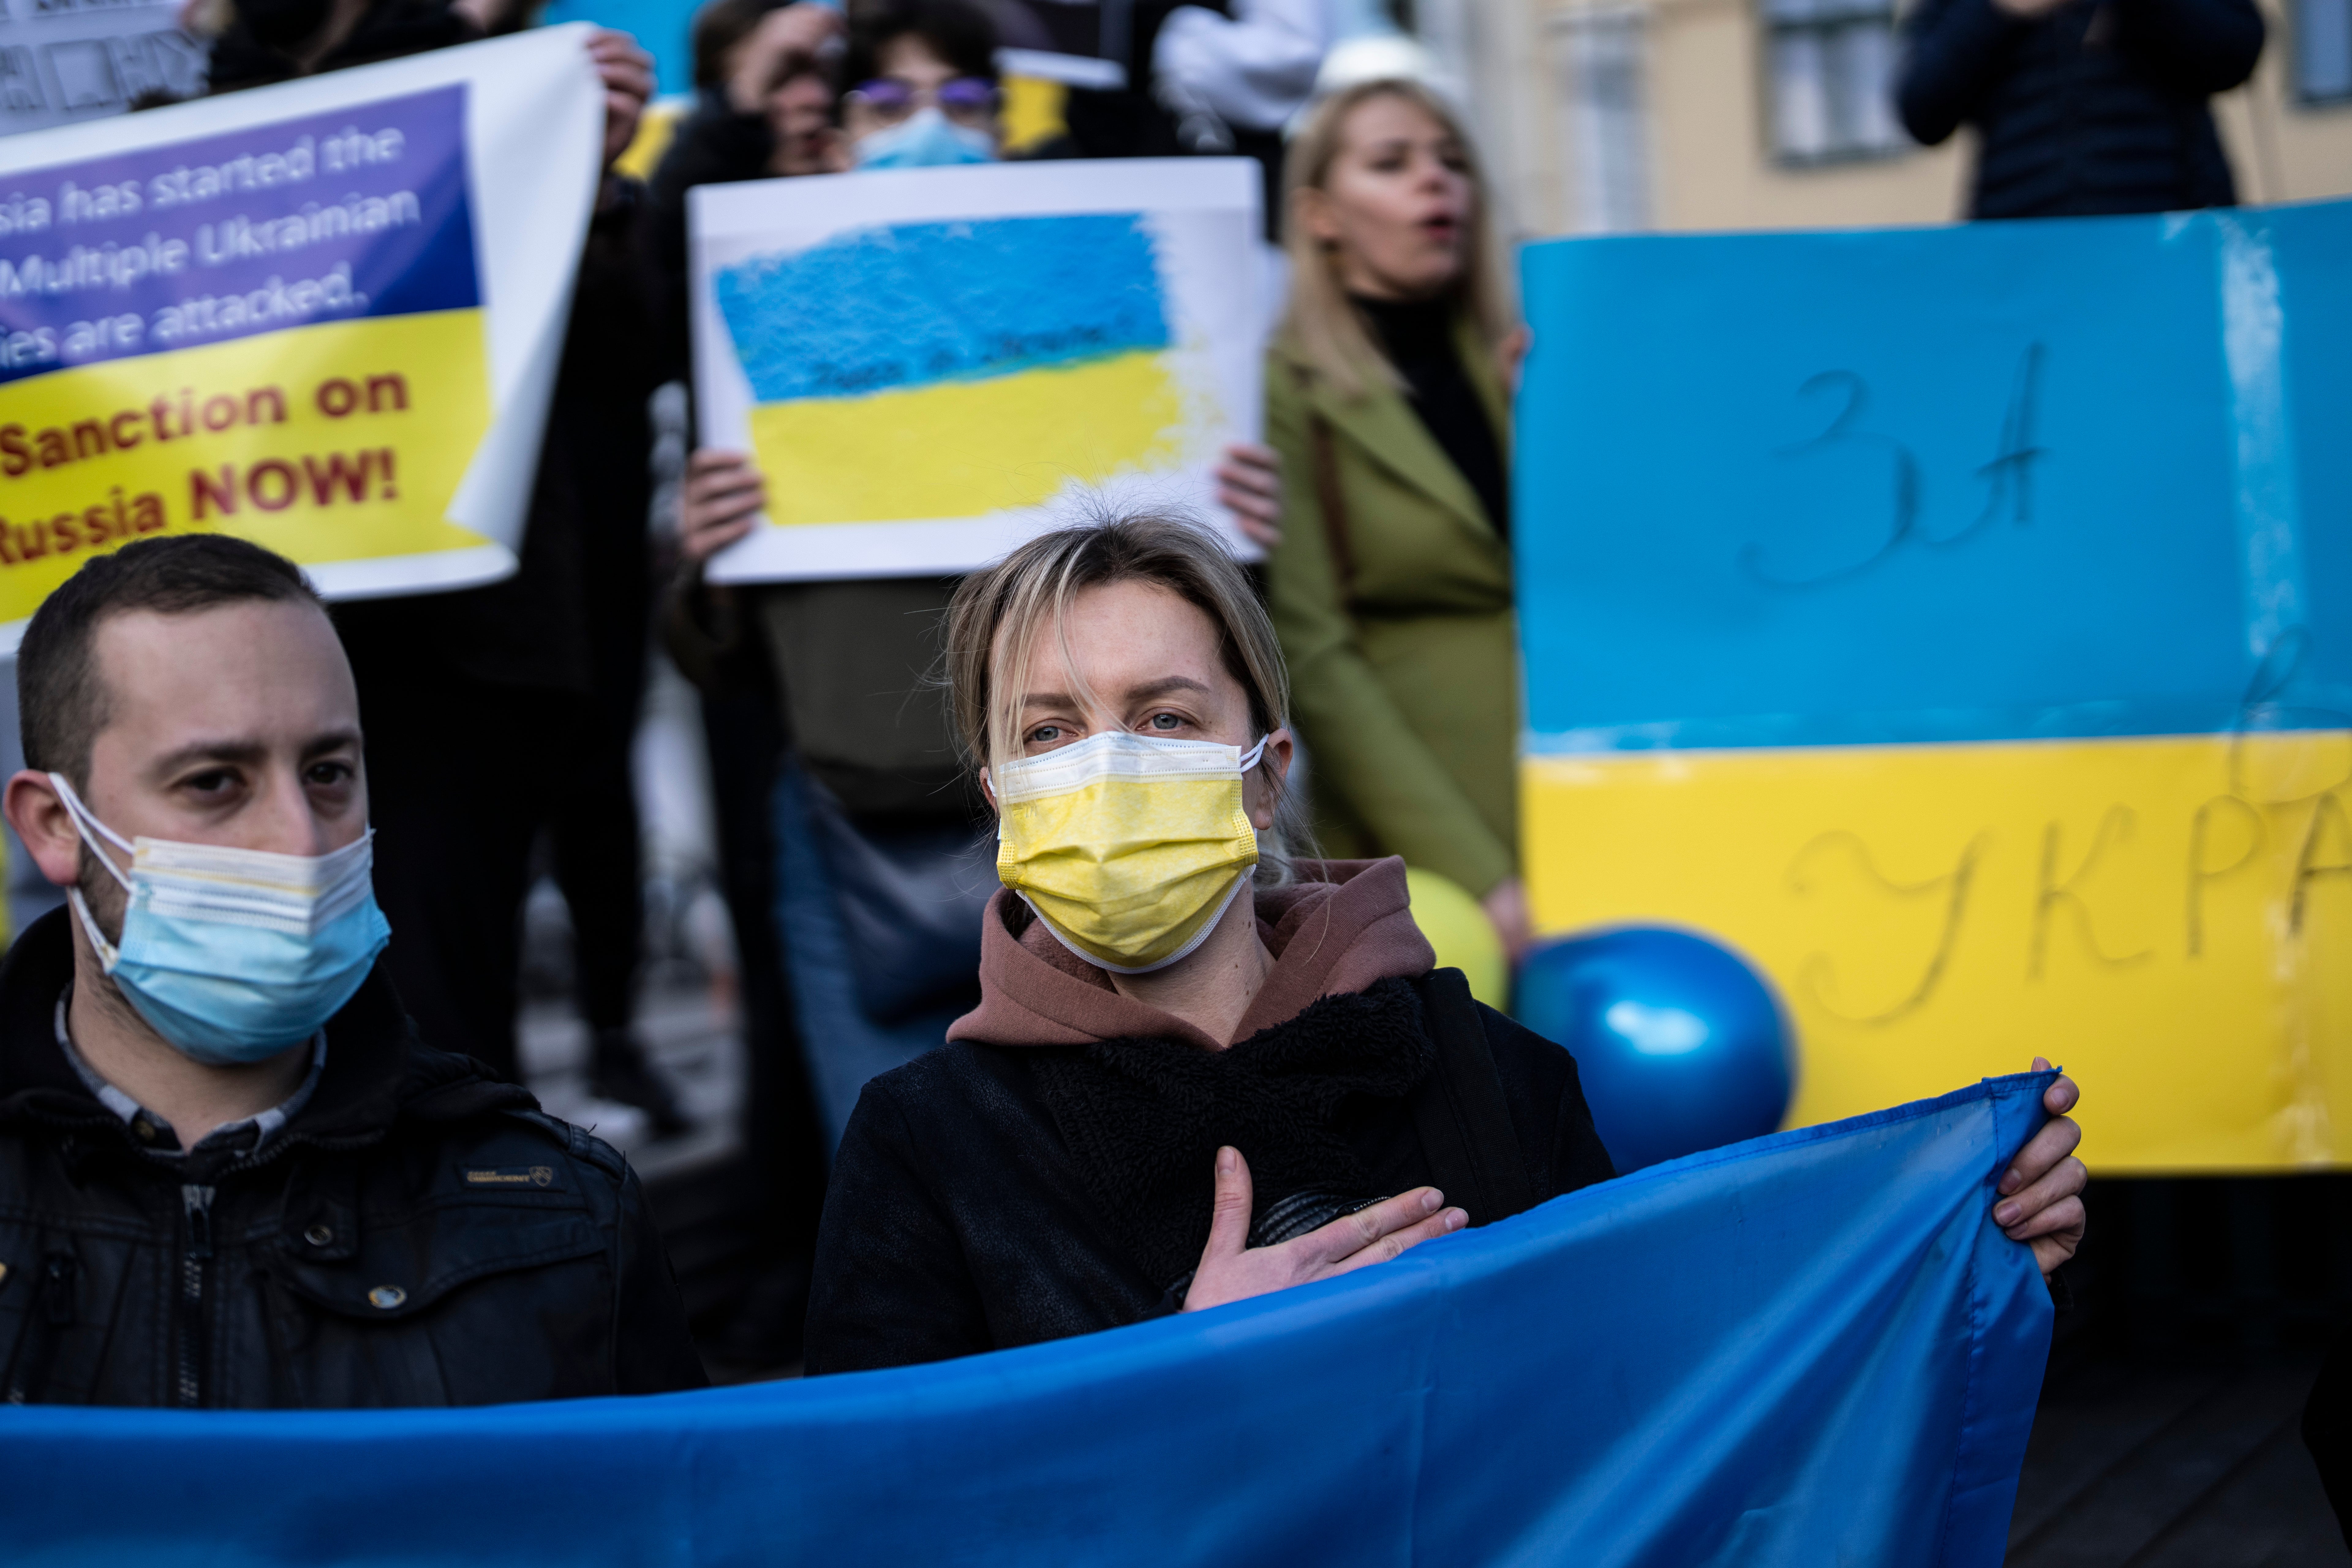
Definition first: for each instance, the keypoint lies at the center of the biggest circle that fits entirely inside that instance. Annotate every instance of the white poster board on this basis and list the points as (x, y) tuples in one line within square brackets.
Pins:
[(324, 316), (933, 366), (63, 60)]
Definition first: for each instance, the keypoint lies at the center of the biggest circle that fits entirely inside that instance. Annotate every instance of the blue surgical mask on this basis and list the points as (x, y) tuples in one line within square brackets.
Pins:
[(927, 140), (234, 955)]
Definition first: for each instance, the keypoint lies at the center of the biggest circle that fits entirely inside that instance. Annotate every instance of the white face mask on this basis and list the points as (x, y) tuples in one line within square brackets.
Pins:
[(234, 955)]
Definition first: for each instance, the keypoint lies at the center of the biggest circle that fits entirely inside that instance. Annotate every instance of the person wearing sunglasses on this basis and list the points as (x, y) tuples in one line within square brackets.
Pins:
[(923, 86), (908, 127)]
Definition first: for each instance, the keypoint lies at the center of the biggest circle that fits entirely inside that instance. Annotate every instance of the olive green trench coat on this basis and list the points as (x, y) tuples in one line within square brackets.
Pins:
[(1404, 662)]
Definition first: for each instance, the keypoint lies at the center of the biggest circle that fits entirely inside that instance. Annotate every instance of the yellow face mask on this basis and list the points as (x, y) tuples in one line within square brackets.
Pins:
[(1127, 847)]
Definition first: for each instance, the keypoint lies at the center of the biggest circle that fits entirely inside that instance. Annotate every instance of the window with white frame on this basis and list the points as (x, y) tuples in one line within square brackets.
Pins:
[(1830, 66), (1604, 56), (2322, 50)]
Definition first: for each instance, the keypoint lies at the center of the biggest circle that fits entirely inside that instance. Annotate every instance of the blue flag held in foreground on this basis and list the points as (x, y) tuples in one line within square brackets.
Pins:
[(1812, 1348)]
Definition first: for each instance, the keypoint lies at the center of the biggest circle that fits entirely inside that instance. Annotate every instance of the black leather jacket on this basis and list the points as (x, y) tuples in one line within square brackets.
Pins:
[(417, 1234)]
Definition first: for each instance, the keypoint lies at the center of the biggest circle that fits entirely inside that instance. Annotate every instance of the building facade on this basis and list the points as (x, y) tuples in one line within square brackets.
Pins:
[(1606, 116)]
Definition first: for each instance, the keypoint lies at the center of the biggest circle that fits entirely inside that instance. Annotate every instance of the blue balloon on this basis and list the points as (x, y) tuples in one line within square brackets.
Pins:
[(1680, 1046)]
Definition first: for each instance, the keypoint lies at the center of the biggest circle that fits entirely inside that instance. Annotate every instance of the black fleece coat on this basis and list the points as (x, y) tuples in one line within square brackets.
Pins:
[(2096, 107), (959, 1220), (715, 145), (417, 1234)]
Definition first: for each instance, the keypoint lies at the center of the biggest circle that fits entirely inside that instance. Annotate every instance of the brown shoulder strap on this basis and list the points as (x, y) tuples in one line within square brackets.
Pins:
[(1334, 508)]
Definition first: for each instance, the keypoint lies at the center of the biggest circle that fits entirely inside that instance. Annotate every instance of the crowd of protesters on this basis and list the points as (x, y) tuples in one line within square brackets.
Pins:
[(285, 1161)]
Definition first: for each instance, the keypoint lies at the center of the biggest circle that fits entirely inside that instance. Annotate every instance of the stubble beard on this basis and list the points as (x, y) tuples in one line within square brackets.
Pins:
[(107, 903)]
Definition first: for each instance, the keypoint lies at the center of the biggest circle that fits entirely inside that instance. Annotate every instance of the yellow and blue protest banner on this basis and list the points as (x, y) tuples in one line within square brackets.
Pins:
[(323, 316), (1814, 1348), (933, 366), (1958, 622)]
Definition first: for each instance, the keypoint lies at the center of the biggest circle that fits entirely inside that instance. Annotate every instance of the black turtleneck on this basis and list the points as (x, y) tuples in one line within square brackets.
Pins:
[(1419, 339)]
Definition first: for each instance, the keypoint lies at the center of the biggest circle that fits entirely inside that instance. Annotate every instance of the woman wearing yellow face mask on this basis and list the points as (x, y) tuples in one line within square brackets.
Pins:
[(1201, 1069)]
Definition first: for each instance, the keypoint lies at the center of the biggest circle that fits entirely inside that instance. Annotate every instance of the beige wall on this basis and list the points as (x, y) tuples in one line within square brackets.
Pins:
[(1708, 115), (1515, 109), (2283, 151), (1704, 124)]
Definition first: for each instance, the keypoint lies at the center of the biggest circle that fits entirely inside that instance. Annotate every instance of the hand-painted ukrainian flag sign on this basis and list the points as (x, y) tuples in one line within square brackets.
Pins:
[(924, 362), (1959, 622), (324, 317)]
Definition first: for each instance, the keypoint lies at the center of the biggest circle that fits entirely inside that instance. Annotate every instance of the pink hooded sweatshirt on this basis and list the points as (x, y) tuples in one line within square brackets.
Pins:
[(1349, 925)]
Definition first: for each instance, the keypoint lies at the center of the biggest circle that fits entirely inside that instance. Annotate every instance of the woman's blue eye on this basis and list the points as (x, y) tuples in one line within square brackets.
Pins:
[(1166, 720)]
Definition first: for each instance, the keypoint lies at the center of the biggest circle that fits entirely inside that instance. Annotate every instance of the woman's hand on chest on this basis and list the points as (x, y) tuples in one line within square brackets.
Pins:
[(1233, 1270)]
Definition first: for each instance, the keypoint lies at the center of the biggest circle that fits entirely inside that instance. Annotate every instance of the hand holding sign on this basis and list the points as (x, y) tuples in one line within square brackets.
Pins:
[(627, 74)]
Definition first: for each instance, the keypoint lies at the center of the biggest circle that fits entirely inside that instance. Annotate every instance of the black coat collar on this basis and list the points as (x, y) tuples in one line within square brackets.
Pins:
[(378, 1072)]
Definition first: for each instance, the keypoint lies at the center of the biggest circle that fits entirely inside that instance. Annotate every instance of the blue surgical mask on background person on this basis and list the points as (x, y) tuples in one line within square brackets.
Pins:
[(234, 955), (926, 139)]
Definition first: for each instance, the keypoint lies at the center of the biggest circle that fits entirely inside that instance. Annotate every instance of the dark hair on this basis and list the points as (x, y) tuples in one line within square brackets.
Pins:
[(60, 702), (958, 32), (718, 27), (723, 24)]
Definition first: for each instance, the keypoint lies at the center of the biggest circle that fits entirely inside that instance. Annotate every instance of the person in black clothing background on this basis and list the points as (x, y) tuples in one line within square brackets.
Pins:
[(764, 107), (2084, 107), (498, 713), (776, 56), (265, 41)]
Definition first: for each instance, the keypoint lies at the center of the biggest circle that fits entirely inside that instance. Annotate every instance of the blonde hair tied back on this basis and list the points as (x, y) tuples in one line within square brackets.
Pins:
[(999, 613)]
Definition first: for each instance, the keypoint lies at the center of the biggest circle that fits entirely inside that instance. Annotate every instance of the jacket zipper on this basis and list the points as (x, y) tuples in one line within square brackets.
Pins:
[(193, 1264)]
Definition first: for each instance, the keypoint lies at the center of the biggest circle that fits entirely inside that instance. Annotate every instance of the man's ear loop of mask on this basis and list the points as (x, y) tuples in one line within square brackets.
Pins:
[(337, 866), (89, 829)]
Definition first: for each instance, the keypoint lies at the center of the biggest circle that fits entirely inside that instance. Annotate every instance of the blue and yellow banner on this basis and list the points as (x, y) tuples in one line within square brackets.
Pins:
[(1958, 622), (931, 365), (931, 370), (1814, 1348), (281, 329)]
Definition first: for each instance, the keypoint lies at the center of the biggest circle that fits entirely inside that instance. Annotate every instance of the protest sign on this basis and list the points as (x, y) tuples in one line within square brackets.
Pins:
[(324, 316), (1812, 1349), (930, 365), (63, 60), (1959, 622)]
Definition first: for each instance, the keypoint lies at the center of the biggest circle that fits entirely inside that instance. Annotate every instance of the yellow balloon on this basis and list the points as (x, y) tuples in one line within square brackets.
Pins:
[(1462, 935)]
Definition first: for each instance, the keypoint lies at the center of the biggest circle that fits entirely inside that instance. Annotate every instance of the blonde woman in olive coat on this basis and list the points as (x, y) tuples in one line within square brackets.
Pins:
[(1391, 585)]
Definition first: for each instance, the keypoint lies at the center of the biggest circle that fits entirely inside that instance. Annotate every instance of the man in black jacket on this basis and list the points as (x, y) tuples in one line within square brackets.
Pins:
[(231, 1174), (2083, 105)]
